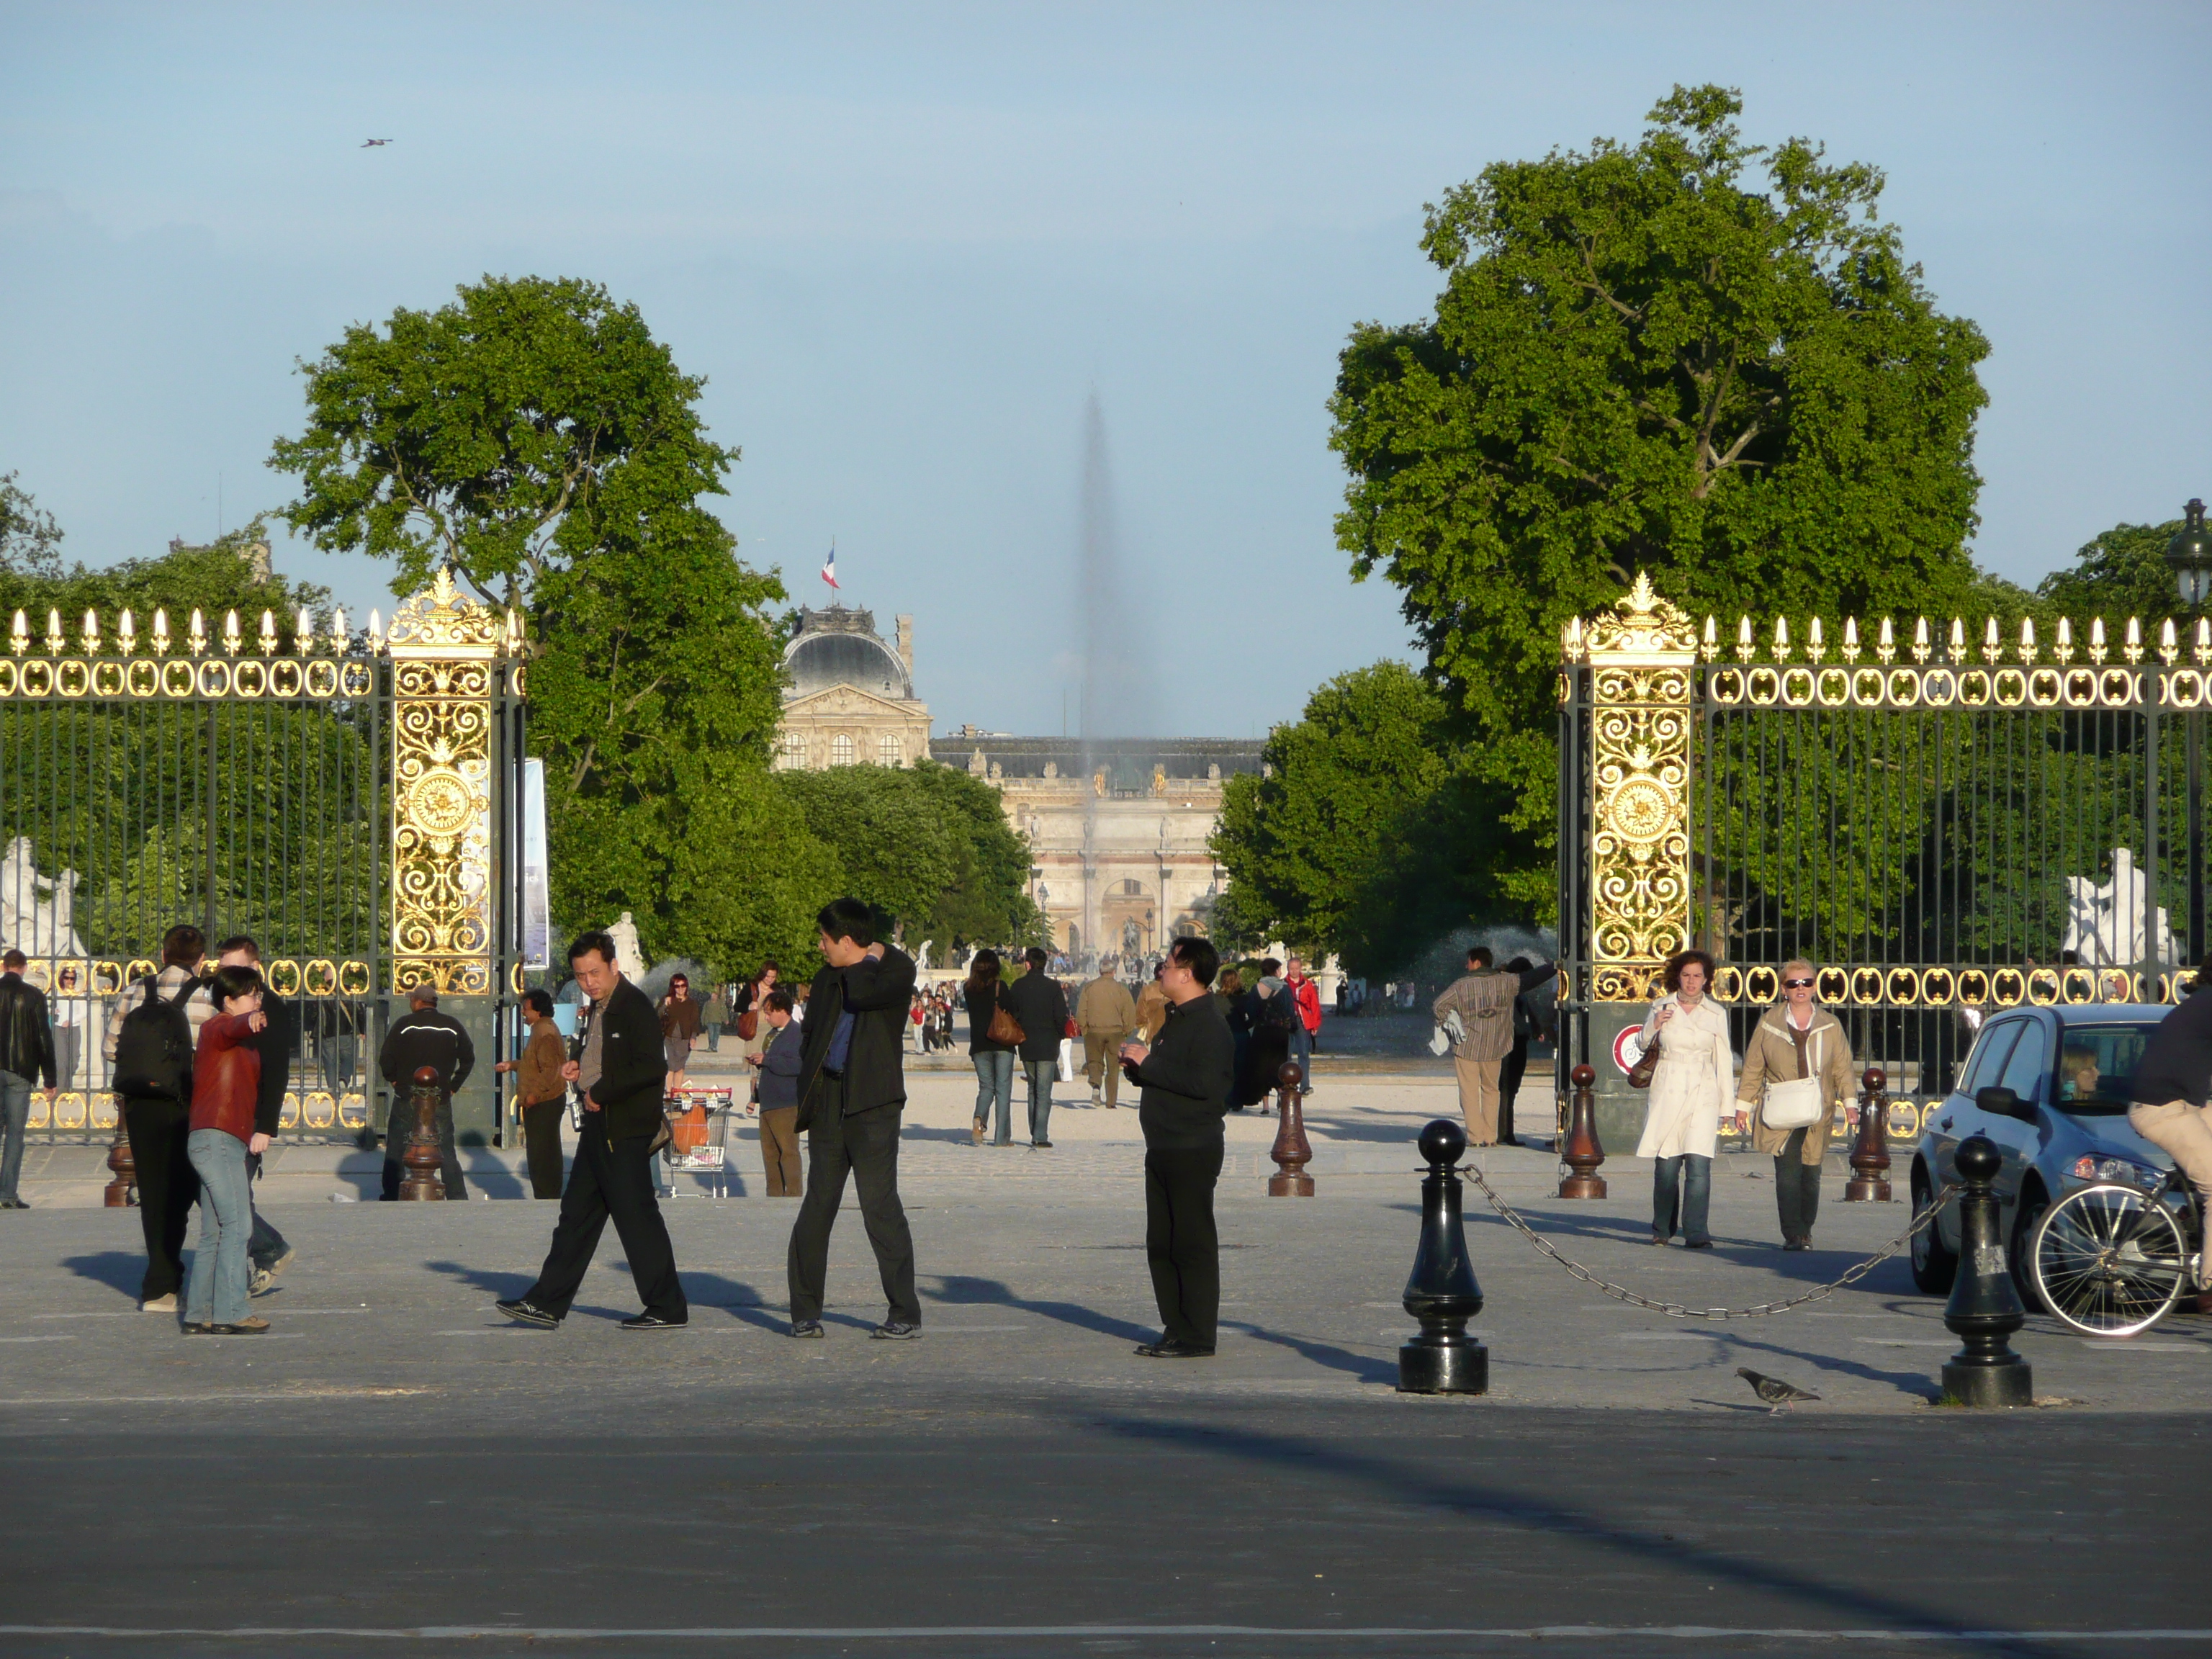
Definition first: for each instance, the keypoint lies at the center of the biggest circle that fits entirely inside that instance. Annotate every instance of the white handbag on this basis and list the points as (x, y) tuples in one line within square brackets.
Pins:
[(1796, 1103)]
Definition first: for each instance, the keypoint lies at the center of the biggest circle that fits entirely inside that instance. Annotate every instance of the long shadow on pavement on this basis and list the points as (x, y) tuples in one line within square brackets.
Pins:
[(961, 1288)]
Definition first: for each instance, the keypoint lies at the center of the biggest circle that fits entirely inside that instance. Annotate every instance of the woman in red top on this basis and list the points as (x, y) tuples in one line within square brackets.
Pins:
[(226, 1089)]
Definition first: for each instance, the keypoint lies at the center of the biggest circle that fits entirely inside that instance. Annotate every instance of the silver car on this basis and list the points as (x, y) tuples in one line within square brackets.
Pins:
[(2051, 1086)]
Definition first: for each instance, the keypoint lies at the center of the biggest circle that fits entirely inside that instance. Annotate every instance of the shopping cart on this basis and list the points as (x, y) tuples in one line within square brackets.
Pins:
[(699, 1137)]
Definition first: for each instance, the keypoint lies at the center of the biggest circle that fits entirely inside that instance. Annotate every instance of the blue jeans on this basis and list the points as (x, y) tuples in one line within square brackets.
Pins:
[(215, 1291), (1042, 1075), (994, 1081), (16, 1107), (1694, 1176)]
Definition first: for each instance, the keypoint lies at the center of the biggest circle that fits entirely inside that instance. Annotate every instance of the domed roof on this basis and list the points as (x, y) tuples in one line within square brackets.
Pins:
[(837, 647)]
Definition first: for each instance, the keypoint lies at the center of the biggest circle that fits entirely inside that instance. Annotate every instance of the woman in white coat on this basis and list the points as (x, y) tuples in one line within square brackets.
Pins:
[(1690, 1089)]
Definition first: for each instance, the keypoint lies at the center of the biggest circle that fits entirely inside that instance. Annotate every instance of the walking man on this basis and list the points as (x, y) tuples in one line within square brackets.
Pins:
[(423, 1036), (1038, 1002), (1483, 998), (152, 1076), (1105, 1013), (1184, 1075), (1307, 995), (27, 1054), (618, 1068), (851, 1096)]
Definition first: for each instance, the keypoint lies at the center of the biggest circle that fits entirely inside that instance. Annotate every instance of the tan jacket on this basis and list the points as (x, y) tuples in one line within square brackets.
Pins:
[(1484, 1002), (1152, 1010), (539, 1073), (1771, 1057), (1105, 1006)]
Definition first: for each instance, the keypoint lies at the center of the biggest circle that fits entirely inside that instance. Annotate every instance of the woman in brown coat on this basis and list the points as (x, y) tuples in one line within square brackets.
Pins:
[(1794, 1040)]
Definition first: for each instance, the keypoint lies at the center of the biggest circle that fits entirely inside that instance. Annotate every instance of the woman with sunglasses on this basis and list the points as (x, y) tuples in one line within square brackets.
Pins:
[(1795, 1040), (1689, 1087)]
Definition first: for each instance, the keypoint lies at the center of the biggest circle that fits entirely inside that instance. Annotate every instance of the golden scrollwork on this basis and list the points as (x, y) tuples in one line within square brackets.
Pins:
[(1640, 658), (444, 647)]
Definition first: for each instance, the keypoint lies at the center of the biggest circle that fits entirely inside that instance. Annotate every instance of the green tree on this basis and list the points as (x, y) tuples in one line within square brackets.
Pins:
[(2121, 573), (30, 540), (1643, 358), (1365, 835), (987, 900), (536, 436), (511, 434), (218, 577)]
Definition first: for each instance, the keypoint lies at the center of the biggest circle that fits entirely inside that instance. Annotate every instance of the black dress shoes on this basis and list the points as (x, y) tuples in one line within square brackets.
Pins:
[(1168, 1348), (653, 1321), (526, 1312)]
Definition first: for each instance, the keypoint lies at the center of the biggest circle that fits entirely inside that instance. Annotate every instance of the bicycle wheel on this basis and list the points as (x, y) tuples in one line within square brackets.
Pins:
[(2109, 1262)]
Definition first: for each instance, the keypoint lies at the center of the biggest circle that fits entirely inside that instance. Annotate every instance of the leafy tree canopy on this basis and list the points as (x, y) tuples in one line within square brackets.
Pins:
[(927, 846), (1643, 358), (514, 432), (2121, 573), (1365, 835)]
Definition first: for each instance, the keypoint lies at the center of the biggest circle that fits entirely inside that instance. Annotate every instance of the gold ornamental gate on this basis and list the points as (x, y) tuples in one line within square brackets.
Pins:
[(351, 798)]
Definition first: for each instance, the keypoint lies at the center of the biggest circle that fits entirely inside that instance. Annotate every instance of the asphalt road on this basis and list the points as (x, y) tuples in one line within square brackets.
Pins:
[(1012, 1522)]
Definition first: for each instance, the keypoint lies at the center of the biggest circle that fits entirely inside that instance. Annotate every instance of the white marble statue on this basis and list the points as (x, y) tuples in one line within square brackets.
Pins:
[(921, 953), (2105, 919), (629, 956), (37, 912)]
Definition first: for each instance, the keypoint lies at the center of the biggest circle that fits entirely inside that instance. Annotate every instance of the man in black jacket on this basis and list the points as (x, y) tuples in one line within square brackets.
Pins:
[(276, 1043), (852, 1094), (1040, 1003), (1185, 1076), (27, 1054), (619, 1067), (423, 1036)]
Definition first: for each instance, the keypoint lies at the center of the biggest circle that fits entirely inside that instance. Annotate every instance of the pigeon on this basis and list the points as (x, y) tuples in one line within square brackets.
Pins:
[(371, 143), (1773, 1390)]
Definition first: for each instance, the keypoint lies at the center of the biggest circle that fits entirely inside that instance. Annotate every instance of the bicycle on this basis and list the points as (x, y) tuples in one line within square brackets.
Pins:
[(2111, 1259)]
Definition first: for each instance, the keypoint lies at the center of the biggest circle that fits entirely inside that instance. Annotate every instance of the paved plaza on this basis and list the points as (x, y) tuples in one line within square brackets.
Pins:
[(395, 1457)]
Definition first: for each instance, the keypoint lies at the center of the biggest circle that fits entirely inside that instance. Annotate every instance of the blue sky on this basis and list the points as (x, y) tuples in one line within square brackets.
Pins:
[(904, 244)]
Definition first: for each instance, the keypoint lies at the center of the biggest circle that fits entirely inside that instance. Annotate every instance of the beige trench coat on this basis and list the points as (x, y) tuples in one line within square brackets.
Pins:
[(1690, 1087), (1771, 1057)]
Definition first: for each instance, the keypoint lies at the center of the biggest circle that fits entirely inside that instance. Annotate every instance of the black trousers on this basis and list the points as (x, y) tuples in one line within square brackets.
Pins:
[(1796, 1188), (1181, 1243), (167, 1187), (541, 1140), (611, 1179), (395, 1143), (1511, 1072), (864, 1146)]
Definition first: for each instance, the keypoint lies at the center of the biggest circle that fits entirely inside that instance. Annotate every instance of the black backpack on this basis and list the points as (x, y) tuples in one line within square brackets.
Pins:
[(154, 1047)]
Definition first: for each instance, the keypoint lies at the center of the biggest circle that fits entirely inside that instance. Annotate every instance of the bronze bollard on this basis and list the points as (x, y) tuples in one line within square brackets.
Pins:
[(122, 1191), (422, 1160), (1291, 1151), (1870, 1181), (1583, 1154)]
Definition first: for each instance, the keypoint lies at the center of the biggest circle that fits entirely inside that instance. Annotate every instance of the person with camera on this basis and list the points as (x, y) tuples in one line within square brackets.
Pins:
[(618, 1064), (227, 1126)]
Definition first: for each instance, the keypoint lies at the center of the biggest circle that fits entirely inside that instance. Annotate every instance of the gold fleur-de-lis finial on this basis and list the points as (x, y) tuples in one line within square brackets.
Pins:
[(233, 640), (2132, 650), (1816, 647), (2098, 652), (19, 636), (2028, 639), (196, 643), (2169, 642), (1958, 652), (1920, 650), (1782, 639), (1745, 650), (2064, 649), (55, 643), (1850, 651), (90, 633), (161, 632), (338, 638), (126, 633), (268, 636), (1886, 644)]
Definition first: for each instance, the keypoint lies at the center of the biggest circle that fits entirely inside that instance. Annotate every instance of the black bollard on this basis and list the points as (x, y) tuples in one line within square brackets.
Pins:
[(1441, 1293), (1985, 1309)]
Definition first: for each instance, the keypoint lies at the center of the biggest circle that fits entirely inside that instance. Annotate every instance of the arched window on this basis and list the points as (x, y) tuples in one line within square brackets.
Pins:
[(795, 748), (840, 750), (887, 749), (1132, 889)]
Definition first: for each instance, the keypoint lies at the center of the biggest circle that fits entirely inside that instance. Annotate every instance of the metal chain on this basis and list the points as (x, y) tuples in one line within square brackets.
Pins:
[(1677, 1310)]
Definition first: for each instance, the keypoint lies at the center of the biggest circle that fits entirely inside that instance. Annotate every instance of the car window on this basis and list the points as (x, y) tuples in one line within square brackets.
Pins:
[(1987, 1062), (2029, 1061), (2097, 1068)]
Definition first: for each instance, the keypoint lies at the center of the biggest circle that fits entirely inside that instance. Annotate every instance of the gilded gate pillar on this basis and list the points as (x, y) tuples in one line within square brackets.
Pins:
[(449, 858), (1641, 655)]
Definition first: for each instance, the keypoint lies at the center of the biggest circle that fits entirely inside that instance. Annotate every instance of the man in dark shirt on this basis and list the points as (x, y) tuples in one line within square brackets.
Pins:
[(423, 1036), (1184, 1075), (2170, 1084), (277, 1042), (851, 1096)]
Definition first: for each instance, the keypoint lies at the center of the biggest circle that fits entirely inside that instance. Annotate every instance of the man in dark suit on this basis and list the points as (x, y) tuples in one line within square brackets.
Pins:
[(1184, 1074), (423, 1036), (1040, 1003), (619, 1068), (852, 1094)]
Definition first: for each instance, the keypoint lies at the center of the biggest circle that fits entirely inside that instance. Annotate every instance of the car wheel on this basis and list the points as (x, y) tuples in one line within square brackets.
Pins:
[(1933, 1266), (2034, 1201)]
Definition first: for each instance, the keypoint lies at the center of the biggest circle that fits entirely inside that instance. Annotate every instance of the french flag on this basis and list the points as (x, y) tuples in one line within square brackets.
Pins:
[(830, 568)]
